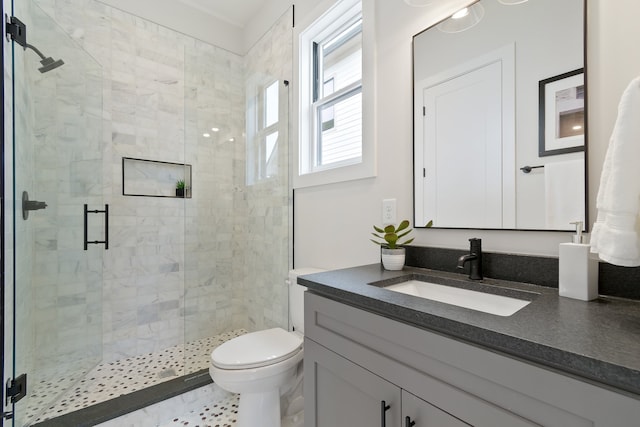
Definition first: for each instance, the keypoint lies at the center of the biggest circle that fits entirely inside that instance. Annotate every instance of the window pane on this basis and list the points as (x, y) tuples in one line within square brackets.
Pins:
[(326, 114), (271, 154), (328, 87), (271, 104), (342, 141), (342, 59)]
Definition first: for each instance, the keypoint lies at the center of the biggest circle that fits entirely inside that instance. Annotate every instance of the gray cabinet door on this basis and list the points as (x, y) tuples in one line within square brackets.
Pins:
[(424, 414), (340, 393)]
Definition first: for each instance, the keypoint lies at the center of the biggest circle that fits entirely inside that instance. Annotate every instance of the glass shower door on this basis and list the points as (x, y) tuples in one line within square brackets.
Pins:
[(57, 169)]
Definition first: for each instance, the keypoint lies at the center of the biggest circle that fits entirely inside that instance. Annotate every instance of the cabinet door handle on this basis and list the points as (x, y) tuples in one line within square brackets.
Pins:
[(408, 422), (383, 413)]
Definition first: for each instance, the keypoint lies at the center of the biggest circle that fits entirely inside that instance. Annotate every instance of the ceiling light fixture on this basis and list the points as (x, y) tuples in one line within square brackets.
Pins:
[(206, 135), (463, 19), (215, 129)]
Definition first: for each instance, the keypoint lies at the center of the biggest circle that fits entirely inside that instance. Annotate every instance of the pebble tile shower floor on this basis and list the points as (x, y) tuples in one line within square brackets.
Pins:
[(110, 380)]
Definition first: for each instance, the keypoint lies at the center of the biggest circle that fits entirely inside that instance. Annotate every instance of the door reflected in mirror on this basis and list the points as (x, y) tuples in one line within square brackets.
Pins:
[(479, 108)]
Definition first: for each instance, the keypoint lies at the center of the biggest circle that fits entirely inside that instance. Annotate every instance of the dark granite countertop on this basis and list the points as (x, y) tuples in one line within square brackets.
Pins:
[(597, 340)]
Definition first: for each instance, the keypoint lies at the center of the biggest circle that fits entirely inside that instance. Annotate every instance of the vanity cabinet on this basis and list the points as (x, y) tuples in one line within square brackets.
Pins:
[(347, 394), (355, 360)]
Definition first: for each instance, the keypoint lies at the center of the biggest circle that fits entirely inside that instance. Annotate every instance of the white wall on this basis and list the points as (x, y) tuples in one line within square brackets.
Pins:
[(332, 223)]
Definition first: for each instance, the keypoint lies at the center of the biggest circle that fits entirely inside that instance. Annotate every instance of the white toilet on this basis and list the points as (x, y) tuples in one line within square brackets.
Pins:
[(262, 365)]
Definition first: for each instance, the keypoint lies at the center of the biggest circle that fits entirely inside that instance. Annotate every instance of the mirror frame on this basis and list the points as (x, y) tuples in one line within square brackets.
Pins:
[(586, 128)]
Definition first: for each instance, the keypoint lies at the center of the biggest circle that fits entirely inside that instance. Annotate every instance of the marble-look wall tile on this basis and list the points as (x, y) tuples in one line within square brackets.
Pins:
[(268, 200)]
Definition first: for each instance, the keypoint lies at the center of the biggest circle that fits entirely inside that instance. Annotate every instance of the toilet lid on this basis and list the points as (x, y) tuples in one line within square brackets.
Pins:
[(256, 349)]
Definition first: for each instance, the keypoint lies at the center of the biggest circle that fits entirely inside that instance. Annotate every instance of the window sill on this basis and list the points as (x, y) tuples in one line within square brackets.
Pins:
[(334, 175)]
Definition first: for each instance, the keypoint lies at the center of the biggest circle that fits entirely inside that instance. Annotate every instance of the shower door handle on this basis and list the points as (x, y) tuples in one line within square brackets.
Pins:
[(105, 211)]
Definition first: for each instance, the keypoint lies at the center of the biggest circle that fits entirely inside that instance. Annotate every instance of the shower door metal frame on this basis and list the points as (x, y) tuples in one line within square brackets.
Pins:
[(2, 225)]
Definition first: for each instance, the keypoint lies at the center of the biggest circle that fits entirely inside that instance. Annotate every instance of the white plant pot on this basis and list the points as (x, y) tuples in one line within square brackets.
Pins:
[(393, 259)]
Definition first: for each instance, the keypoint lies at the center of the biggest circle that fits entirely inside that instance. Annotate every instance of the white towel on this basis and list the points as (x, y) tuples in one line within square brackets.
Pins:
[(564, 194), (616, 233)]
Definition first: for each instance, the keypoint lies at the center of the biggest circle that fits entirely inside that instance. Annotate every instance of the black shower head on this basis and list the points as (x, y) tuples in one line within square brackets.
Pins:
[(49, 63)]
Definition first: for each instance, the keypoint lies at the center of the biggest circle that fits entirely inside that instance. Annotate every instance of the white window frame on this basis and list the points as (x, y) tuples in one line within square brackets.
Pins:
[(327, 18)]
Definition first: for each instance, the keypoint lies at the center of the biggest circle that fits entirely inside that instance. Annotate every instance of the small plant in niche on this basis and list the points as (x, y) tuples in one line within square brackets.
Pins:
[(180, 188), (393, 252)]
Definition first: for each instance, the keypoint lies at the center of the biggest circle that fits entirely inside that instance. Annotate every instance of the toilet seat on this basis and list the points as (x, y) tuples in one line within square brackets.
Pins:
[(256, 349)]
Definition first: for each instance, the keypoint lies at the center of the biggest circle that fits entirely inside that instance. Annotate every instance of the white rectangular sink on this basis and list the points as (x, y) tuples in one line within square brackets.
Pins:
[(474, 300)]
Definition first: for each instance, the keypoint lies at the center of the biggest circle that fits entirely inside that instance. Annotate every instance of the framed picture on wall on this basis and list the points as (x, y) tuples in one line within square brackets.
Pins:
[(561, 114)]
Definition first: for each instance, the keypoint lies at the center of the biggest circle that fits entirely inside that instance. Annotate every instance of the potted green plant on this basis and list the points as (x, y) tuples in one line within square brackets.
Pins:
[(393, 251), (180, 188)]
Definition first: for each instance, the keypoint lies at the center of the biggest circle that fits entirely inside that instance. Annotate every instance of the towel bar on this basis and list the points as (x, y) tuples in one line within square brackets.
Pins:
[(527, 169)]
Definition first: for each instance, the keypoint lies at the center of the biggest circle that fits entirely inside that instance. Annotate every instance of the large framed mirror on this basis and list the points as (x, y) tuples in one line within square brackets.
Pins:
[(500, 117)]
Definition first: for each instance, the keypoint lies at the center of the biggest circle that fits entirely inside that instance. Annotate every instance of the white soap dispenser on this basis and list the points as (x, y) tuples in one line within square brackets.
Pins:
[(578, 272)]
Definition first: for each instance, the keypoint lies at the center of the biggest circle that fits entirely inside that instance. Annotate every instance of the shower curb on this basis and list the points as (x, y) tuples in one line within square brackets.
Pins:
[(122, 405)]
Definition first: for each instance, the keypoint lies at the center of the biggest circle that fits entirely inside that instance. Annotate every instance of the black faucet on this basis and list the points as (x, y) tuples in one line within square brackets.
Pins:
[(474, 257)]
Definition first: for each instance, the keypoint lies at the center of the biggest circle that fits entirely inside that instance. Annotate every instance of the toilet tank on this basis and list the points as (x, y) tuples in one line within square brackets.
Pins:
[(296, 297)]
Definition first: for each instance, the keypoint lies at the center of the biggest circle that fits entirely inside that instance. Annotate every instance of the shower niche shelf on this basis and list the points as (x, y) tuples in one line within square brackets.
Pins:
[(155, 178)]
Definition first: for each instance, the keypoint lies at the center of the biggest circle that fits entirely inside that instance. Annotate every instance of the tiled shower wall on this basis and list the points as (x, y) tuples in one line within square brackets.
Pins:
[(268, 216), (177, 265), (66, 107), (215, 243)]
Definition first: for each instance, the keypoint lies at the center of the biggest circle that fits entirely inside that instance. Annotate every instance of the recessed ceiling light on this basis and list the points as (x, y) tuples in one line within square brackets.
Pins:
[(206, 135), (215, 129), (231, 139)]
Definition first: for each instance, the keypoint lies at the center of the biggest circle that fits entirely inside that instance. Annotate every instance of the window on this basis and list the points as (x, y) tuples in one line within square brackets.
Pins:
[(326, 115), (337, 97), (262, 132), (330, 122)]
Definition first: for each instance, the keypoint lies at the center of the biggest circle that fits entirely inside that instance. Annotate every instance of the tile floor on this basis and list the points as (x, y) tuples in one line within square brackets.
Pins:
[(220, 414), (109, 380)]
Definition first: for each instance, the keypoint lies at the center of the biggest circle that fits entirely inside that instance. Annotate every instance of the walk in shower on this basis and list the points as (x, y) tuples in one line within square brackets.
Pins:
[(123, 281)]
